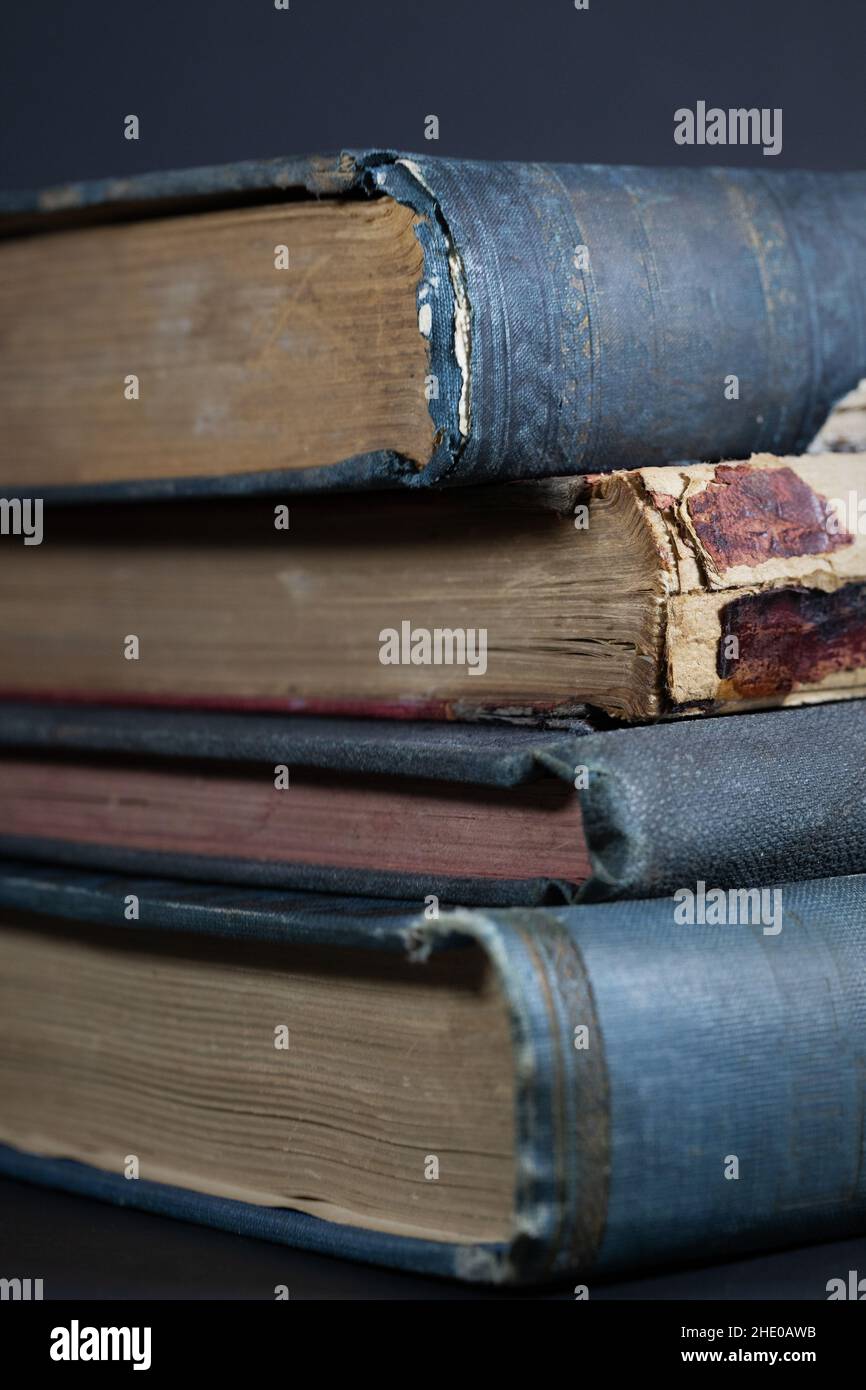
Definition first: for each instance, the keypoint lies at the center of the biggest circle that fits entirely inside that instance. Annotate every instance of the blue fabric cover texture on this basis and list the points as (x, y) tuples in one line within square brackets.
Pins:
[(707, 1044), (602, 310)]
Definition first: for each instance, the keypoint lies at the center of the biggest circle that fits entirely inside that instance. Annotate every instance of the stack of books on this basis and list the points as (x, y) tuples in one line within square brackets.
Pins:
[(432, 744)]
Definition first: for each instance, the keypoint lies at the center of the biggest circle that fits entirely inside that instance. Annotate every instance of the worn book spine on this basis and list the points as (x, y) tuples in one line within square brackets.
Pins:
[(685, 1089), (737, 803), (762, 579), (578, 318)]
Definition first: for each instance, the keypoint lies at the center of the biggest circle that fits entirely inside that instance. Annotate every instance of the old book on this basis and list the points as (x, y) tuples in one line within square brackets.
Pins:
[(642, 594), (468, 813), (497, 1096), (378, 318)]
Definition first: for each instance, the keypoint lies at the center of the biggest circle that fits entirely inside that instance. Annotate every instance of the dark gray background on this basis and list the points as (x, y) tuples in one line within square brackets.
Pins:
[(215, 80)]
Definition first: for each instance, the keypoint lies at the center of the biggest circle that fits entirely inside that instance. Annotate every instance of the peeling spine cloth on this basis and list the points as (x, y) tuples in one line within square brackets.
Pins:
[(462, 313)]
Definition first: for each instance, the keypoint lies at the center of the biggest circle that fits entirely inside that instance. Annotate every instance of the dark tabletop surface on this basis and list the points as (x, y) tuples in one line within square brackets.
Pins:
[(81, 1248)]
